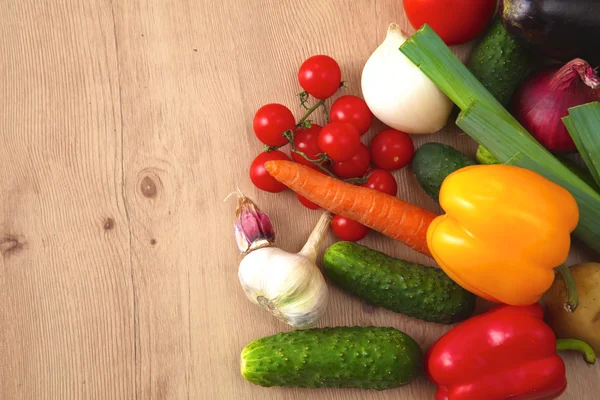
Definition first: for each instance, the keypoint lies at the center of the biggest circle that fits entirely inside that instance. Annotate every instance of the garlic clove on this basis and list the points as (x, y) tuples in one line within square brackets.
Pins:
[(252, 227)]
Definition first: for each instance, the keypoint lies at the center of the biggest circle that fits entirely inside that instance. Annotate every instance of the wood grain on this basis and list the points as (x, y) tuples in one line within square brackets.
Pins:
[(124, 125)]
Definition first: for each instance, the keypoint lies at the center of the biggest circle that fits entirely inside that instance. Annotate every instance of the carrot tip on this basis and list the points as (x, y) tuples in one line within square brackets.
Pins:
[(270, 166), (273, 167)]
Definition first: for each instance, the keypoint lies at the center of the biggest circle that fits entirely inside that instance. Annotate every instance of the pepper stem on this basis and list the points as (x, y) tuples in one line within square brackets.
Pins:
[(571, 299), (316, 238), (578, 345)]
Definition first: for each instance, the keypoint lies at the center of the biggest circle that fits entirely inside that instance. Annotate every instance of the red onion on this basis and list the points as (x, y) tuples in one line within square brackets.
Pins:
[(545, 97)]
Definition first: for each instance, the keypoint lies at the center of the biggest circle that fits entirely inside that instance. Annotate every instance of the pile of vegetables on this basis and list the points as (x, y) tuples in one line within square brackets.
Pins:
[(528, 91)]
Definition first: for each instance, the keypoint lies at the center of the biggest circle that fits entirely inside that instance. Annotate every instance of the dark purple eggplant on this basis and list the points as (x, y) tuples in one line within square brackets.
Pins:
[(560, 29)]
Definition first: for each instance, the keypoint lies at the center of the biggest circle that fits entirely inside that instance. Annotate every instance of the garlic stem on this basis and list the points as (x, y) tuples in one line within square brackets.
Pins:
[(316, 238)]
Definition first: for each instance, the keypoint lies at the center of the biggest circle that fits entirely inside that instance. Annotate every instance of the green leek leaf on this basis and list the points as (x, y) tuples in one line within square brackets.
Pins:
[(583, 124)]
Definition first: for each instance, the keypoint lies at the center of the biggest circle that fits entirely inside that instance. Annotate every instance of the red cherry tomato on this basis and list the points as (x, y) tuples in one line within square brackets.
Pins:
[(307, 203), (320, 76), (307, 141), (354, 167), (455, 21), (340, 140), (260, 176), (391, 149), (347, 229), (382, 181), (270, 121), (353, 110)]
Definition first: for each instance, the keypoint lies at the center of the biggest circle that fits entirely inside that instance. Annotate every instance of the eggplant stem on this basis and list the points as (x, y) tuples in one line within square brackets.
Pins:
[(571, 298), (578, 345)]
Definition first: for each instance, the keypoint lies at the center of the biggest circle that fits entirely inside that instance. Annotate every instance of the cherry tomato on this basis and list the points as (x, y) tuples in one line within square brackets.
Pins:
[(382, 181), (354, 167), (307, 141), (307, 203), (347, 229), (270, 121), (391, 149), (353, 110), (340, 140), (455, 21), (260, 176), (320, 76)]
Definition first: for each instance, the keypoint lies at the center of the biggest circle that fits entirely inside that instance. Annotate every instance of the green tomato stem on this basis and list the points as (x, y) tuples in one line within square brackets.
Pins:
[(303, 122), (289, 135), (318, 163), (572, 298), (268, 148), (578, 345), (326, 112), (357, 181), (303, 96), (310, 110)]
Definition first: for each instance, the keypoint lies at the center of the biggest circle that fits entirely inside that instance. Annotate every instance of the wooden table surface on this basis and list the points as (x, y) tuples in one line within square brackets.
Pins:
[(124, 125)]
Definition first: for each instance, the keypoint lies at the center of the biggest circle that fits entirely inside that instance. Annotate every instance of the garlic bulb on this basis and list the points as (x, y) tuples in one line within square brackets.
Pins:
[(289, 286), (398, 93)]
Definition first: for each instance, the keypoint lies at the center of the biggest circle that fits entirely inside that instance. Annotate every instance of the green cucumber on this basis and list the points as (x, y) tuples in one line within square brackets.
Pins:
[(433, 162), (351, 357), (500, 63), (415, 290), (485, 157)]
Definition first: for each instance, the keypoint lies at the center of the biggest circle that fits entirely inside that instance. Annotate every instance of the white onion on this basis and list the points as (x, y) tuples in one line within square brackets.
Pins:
[(398, 93)]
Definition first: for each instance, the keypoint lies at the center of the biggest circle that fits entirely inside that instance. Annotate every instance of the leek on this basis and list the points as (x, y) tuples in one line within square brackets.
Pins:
[(583, 124), (487, 121)]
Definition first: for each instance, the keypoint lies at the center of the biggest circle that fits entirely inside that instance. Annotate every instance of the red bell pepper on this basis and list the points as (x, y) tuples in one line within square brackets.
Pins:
[(507, 352)]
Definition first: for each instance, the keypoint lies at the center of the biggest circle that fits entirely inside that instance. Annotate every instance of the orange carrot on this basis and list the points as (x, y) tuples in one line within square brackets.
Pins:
[(379, 211)]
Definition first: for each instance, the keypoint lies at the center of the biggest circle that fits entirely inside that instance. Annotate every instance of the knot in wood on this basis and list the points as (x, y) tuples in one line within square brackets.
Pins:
[(109, 224), (148, 187)]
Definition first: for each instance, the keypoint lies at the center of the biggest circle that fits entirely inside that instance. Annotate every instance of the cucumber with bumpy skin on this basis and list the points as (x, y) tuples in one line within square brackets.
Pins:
[(500, 63), (433, 162), (351, 357), (415, 290)]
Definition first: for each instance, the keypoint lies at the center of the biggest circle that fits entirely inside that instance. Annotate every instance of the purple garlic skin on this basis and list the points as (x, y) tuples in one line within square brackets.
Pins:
[(252, 228)]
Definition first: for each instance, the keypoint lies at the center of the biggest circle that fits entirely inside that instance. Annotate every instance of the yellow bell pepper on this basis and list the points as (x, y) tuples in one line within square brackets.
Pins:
[(505, 229)]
